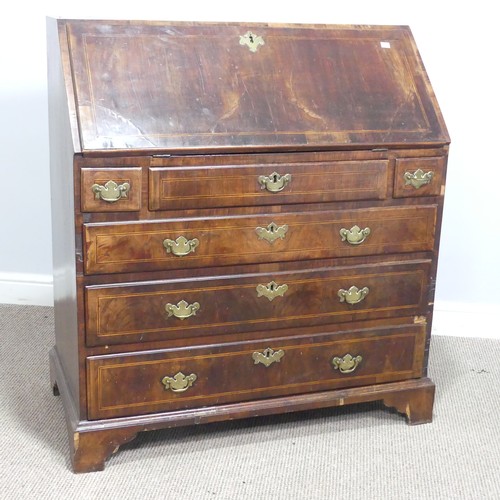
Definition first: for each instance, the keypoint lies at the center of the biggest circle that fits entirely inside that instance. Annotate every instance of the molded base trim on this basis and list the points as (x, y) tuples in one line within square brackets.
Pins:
[(93, 442)]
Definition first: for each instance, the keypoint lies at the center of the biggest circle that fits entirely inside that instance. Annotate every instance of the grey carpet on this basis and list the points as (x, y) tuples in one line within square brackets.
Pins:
[(359, 452)]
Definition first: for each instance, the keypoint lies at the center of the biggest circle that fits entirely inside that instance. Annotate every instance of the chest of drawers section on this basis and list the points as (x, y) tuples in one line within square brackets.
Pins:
[(191, 309), (216, 308)]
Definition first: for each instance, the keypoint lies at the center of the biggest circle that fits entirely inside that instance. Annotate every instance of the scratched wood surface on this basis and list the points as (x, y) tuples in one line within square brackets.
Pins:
[(168, 86)]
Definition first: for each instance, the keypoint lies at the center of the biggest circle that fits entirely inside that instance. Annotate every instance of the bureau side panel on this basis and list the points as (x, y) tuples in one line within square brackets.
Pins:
[(62, 149)]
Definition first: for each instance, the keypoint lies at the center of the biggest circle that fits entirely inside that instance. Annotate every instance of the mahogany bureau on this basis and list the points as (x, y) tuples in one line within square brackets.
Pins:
[(246, 221)]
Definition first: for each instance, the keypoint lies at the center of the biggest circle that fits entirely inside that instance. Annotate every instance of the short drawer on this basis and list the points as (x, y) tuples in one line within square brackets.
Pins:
[(111, 189), (280, 237), (172, 188), (139, 383), (166, 310), (419, 177)]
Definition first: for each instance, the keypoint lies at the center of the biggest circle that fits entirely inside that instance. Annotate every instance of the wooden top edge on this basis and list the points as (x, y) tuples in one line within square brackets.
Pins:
[(258, 149), (156, 22)]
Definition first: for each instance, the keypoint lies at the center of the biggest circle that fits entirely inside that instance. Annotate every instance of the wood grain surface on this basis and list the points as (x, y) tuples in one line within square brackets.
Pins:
[(131, 384), (177, 86)]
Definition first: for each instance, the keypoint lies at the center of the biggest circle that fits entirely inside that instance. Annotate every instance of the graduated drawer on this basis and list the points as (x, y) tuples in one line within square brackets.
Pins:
[(111, 189), (233, 304), (219, 241), (172, 188), (156, 381), (419, 177)]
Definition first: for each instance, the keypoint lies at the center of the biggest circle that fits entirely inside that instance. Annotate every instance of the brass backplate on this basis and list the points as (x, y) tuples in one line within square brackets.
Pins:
[(271, 290), (268, 357), (111, 191), (180, 246), (346, 364), (182, 310), (418, 178), (179, 382), (275, 182), (355, 235), (353, 295), (272, 232), (252, 41)]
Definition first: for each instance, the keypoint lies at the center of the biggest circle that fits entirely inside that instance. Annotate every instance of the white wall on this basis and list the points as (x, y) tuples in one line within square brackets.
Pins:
[(458, 43)]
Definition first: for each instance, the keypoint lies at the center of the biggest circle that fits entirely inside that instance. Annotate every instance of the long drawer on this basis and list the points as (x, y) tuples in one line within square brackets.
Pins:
[(170, 309), (139, 383), (218, 241), (173, 188)]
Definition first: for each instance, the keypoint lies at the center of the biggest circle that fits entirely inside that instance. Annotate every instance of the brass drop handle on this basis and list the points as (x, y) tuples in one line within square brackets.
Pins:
[(179, 382), (354, 295), (346, 364), (272, 232), (355, 235), (111, 191), (271, 290), (181, 246), (418, 178), (182, 310), (275, 182), (268, 357)]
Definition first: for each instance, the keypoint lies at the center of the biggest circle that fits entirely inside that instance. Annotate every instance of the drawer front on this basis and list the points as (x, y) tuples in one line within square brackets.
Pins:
[(173, 188), (419, 177), (132, 384), (111, 189), (191, 308), (191, 243)]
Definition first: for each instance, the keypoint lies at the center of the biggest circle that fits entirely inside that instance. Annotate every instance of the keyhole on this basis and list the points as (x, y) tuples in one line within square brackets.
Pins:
[(275, 178), (250, 36)]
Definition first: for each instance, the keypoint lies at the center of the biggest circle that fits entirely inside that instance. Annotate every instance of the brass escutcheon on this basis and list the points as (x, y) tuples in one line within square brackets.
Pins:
[(181, 246), (272, 232), (251, 40), (182, 310), (271, 290), (418, 178), (353, 295), (268, 357), (347, 364), (111, 191), (355, 235), (275, 182), (179, 382)]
